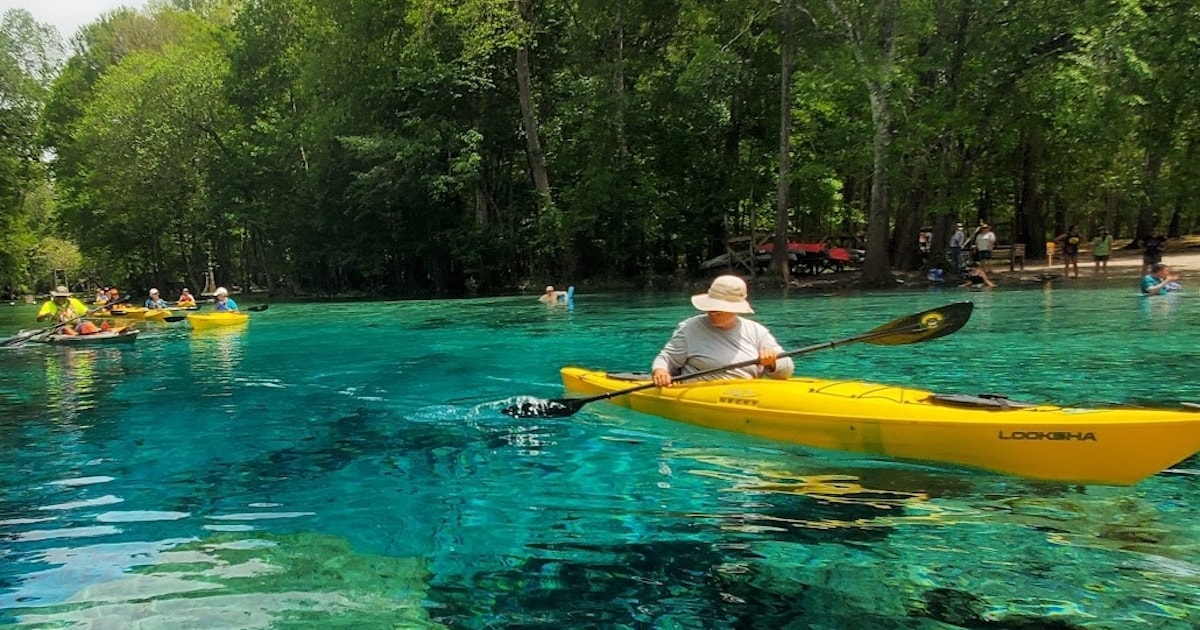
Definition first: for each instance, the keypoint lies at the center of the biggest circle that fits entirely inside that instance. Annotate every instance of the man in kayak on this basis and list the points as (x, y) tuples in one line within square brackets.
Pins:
[(721, 337), (186, 300), (155, 302), (1160, 280), (61, 308), (224, 303)]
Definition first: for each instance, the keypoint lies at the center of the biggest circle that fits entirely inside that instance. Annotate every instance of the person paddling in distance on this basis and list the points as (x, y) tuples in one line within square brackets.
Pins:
[(224, 303), (1160, 280), (551, 297), (154, 302), (62, 308), (721, 336), (186, 300)]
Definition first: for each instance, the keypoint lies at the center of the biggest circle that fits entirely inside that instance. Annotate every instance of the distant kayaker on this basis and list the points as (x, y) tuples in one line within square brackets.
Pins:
[(155, 302), (721, 337), (223, 301), (1160, 280), (552, 297), (186, 300), (61, 308)]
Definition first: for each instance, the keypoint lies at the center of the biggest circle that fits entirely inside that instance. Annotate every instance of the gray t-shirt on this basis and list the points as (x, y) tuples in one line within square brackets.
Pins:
[(697, 346)]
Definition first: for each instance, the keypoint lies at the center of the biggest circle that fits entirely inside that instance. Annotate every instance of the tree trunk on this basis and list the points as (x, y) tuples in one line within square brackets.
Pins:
[(877, 69), (779, 259), (1029, 217), (1147, 216), (533, 140)]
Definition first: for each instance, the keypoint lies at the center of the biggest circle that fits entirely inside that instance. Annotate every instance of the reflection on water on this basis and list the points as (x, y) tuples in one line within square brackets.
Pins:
[(215, 355), (71, 381)]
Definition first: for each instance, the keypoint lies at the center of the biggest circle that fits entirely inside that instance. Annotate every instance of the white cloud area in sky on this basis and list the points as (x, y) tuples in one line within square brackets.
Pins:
[(68, 15)]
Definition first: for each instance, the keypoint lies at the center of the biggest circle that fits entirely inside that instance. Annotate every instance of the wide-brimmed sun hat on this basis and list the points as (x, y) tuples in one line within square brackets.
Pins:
[(221, 291), (153, 291), (549, 288), (60, 291), (726, 294)]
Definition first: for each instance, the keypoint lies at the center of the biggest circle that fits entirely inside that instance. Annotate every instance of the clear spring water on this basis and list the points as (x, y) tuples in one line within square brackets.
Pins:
[(346, 465)]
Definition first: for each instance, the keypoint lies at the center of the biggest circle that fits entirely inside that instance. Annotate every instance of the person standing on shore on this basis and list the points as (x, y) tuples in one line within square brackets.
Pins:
[(985, 242), (1152, 249), (1070, 241), (1102, 249), (957, 240)]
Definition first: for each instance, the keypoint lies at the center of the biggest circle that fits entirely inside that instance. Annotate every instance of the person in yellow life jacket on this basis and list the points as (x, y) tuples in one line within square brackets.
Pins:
[(62, 308)]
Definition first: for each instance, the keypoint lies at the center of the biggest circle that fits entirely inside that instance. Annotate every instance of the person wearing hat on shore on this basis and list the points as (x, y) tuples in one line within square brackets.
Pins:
[(551, 297), (957, 241), (985, 242), (186, 300), (224, 303), (154, 302), (721, 336)]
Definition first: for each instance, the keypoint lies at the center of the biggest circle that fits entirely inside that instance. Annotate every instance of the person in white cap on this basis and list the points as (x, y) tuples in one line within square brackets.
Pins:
[(552, 297), (223, 301), (721, 337), (155, 302)]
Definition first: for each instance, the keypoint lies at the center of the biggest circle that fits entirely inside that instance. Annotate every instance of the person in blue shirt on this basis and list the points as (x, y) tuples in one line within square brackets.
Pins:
[(1160, 280), (155, 302), (224, 303)]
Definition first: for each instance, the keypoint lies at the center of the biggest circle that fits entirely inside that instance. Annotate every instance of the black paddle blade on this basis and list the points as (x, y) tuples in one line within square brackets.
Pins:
[(556, 408), (258, 309), (923, 326), (170, 319)]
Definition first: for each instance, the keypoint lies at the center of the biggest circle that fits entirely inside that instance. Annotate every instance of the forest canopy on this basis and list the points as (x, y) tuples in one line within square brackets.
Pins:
[(417, 147)]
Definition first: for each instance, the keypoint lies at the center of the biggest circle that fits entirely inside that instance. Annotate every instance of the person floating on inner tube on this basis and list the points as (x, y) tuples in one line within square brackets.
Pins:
[(552, 297), (721, 337), (61, 308), (224, 303), (1160, 280)]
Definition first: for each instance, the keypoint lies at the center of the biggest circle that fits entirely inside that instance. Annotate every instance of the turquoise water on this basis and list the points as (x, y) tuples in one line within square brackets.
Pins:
[(346, 465)]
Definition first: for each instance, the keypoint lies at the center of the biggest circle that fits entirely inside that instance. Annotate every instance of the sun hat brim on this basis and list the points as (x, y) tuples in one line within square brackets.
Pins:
[(707, 303)]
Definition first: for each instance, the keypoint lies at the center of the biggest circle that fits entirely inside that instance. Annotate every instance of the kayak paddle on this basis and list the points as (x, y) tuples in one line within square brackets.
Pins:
[(923, 326), (14, 340)]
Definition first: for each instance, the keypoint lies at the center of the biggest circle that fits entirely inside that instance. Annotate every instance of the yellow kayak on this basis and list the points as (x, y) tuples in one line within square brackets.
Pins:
[(205, 321), (1115, 446)]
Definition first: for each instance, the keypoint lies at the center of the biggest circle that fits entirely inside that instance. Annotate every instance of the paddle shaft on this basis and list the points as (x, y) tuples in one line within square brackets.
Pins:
[(733, 366)]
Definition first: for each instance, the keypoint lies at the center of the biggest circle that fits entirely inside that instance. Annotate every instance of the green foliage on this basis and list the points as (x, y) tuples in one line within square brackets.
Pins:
[(368, 146)]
